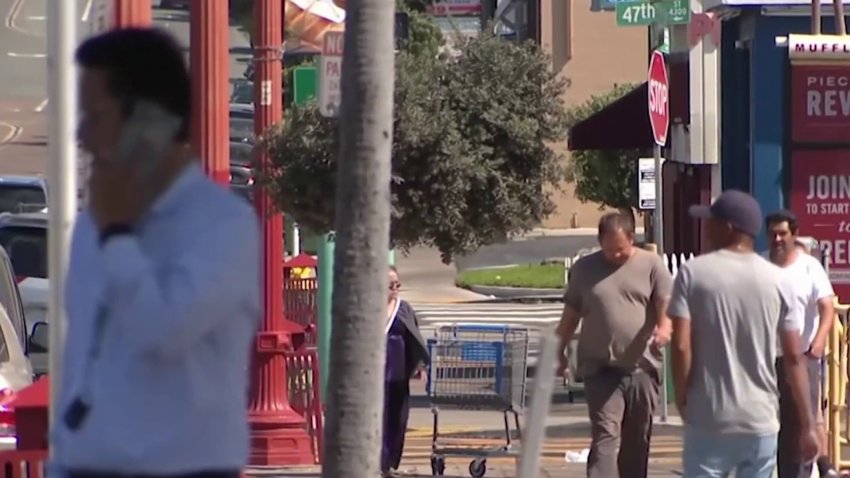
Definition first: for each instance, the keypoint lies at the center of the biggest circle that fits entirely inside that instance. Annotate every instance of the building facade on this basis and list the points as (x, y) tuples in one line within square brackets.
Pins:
[(593, 54)]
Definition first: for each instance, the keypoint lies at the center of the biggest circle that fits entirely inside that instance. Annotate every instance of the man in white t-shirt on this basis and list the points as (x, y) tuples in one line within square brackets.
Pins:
[(814, 291)]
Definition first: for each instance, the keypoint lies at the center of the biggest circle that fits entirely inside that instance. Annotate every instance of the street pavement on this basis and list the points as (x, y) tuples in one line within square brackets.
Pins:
[(23, 75), (567, 430)]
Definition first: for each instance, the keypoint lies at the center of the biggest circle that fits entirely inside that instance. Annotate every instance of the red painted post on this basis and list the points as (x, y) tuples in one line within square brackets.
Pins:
[(209, 60), (132, 13), (278, 434)]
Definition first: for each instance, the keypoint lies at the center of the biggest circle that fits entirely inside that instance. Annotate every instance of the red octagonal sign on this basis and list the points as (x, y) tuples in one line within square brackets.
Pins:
[(659, 107)]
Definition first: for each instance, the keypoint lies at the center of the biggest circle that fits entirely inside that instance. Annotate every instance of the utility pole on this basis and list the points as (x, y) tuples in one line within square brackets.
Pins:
[(355, 387), (209, 51), (132, 13), (61, 174), (278, 434)]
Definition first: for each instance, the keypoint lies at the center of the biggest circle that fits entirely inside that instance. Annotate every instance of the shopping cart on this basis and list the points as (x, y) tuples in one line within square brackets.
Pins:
[(479, 367)]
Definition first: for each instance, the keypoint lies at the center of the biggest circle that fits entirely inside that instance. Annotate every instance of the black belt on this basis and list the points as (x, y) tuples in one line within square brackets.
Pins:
[(198, 474)]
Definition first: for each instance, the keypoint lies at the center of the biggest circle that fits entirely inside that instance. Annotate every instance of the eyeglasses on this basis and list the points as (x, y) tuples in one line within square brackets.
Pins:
[(395, 285)]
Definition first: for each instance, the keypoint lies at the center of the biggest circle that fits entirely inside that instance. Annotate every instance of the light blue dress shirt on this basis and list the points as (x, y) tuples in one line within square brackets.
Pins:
[(181, 303)]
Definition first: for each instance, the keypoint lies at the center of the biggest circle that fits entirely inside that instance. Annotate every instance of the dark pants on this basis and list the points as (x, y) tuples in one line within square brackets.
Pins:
[(788, 455), (396, 412), (620, 405)]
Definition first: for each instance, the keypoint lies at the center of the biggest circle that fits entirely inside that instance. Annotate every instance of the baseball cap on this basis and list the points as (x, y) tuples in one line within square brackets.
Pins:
[(737, 208)]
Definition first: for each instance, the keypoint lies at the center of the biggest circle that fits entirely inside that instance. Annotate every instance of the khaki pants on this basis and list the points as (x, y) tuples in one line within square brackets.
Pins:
[(620, 405)]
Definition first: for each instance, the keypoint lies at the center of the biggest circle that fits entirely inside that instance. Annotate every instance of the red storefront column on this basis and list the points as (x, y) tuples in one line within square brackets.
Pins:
[(132, 13), (209, 52), (278, 433)]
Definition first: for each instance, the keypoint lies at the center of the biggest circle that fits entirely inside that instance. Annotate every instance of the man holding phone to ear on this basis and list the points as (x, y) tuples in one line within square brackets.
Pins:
[(163, 294)]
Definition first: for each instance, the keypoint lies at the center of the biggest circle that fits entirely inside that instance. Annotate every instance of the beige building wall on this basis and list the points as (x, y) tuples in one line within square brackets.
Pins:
[(593, 54)]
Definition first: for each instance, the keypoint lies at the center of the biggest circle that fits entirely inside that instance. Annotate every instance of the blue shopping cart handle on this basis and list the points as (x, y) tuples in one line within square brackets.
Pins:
[(480, 328)]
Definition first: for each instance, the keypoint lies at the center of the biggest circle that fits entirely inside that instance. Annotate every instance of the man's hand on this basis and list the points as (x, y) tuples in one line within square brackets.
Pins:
[(116, 194), (817, 349), (809, 445), (563, 365), (662, 334)]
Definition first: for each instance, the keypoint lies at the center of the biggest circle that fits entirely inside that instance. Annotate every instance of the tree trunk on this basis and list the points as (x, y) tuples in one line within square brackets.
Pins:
[(355, 394)]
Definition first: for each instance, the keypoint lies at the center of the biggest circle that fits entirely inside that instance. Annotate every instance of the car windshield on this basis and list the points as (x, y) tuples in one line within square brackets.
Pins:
[(243, 93), (241, 129), (17, 198), (11, 300), (27, 248), (240, 153)]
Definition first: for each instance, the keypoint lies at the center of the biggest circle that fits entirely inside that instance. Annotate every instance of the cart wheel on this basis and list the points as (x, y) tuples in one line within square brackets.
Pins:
[(477, 468), (438, 465)]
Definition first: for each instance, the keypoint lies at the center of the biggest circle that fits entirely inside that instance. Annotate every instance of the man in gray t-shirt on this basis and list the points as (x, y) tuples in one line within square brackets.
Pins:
[(728, 307), (619, 294)]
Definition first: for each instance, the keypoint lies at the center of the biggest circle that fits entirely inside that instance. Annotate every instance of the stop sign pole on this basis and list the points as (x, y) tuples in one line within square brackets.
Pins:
[(659, 118), (658, 86)]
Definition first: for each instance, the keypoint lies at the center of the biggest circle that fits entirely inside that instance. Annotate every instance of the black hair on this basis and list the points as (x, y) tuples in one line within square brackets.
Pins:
[(616, 221), (781, 216), (143, 63)]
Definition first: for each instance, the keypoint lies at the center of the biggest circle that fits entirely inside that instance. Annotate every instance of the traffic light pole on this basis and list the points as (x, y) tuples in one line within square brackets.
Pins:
[(132, 13), (278, 434), (209, 51)]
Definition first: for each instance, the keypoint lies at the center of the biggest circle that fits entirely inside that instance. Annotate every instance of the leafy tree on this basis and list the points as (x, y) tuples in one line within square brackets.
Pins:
[(471, 157), (606, 177)]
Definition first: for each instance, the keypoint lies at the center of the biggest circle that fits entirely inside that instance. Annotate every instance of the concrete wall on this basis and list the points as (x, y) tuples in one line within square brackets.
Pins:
[(593, 53)]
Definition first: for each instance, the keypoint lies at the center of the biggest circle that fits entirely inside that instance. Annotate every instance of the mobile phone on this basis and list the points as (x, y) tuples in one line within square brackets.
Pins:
[(146, 136)]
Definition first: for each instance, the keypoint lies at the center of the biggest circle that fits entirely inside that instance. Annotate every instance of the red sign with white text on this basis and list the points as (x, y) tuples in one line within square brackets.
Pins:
[(820, 197), (658, 86), (820, 103)]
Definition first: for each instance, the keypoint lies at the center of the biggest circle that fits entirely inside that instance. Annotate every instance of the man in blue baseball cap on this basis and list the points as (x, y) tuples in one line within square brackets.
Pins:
[(727, 308)]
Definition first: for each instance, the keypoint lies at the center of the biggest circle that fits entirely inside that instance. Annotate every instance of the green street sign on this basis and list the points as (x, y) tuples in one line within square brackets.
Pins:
[(643, 13), (304, 79)]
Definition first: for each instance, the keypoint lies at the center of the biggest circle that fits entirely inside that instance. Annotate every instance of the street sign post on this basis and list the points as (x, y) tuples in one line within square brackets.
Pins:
[(658, 86), (645, 12), (330, 74), (303, 84)]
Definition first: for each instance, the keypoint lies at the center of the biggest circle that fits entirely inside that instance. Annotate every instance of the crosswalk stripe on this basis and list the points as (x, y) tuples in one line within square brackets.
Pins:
[(496, 313)]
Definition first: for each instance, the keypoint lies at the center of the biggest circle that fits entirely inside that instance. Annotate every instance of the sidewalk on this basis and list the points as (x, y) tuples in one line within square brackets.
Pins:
[(460, 471), (567, 429), (425, 279)]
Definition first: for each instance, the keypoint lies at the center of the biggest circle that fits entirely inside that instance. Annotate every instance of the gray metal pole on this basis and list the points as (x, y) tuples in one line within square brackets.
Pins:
[(541, 399), (658, 214), (658, 235), (61, 173)]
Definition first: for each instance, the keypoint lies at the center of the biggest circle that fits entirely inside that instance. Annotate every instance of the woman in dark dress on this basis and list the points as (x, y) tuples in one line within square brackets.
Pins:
[(407, 354)]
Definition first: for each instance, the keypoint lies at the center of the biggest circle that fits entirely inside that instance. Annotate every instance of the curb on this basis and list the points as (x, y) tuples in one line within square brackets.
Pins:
[(503, 292)]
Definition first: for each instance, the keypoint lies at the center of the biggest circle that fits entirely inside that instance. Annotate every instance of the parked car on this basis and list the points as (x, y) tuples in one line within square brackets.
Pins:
[(18, 360), (242, 169), (22, 193), (24, 238), (10, 299), (243, 92), (242, 123), (174, 4), (16, 373)]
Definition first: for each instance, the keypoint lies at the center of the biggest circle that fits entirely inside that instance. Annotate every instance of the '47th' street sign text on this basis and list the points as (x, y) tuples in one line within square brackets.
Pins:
[(642, 13)]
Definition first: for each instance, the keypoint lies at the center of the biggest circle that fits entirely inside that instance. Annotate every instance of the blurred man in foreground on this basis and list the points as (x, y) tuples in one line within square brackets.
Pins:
[(163, 282)]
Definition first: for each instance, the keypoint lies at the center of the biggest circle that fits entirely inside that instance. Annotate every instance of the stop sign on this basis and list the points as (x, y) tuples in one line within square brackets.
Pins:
[(658, 86)]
